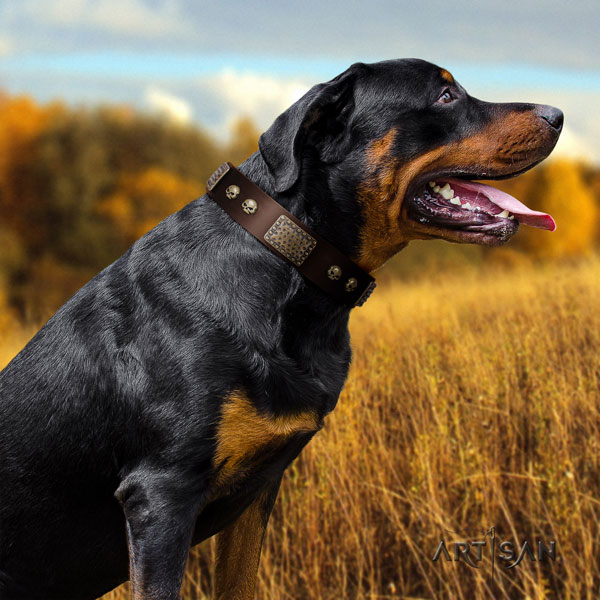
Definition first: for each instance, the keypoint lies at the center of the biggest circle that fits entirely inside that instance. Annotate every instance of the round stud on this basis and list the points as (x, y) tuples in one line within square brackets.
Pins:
[(232, 192), (249, 206), (351, 284), (334, 272)]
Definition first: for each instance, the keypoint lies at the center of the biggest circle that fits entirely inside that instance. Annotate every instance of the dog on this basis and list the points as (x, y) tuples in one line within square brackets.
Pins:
[(162, 403)]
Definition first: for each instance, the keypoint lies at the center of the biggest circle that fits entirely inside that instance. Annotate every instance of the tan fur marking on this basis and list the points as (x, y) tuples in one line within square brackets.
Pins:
[(447, 76), (381, 196), (380, 149), (238, 555), (243, 430)]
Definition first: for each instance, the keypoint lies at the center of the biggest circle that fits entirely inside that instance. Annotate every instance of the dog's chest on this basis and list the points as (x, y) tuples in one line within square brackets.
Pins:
[(248, 440)]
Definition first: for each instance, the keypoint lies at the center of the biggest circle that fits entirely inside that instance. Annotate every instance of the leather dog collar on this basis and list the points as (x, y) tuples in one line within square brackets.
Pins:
[(285, 235)]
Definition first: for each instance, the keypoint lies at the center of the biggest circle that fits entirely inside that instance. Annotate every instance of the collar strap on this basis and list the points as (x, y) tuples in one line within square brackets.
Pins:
[(288, 237)]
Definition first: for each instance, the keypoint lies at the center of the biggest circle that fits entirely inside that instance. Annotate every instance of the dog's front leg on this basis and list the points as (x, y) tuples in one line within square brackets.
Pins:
[(239, 546), (160, 513)]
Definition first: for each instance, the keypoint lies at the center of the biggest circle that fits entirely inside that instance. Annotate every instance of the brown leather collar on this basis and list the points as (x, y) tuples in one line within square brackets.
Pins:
[(285, 235)]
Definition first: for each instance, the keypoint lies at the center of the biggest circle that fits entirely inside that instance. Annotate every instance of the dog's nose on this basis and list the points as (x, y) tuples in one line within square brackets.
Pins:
[(553, 116)]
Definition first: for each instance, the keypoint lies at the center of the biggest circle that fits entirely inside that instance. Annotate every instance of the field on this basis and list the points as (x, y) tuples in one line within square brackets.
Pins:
[(473, 401)]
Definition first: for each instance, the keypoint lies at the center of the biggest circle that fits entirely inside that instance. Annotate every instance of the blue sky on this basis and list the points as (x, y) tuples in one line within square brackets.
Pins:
[(209, 62)]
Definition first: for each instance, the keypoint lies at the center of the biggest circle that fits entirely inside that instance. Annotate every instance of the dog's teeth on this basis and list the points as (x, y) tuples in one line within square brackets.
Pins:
[(455, 201), (436, 188), (511, 217), (503, 214), (447, 192), (432, 184), (467, 205)]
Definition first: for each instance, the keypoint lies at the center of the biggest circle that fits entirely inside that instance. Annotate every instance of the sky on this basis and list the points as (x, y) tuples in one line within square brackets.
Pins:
[(211, 62)]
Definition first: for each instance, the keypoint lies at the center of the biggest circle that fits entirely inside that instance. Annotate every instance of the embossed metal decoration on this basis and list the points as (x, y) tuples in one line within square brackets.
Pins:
[(334, 272), (290, 240), (249, 206), (351, 284), (216, 176), (232, 192)]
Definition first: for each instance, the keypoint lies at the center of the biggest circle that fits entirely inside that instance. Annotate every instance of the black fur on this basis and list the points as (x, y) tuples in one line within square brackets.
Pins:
[(111, 409)]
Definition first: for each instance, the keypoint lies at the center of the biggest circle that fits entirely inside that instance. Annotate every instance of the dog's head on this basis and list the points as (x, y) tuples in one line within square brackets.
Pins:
[(396, 143)]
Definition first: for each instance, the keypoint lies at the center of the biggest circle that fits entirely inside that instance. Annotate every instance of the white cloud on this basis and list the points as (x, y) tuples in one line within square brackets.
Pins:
[(260, 96), (572, 145), (175, 108), (263, 97), (582, 126)]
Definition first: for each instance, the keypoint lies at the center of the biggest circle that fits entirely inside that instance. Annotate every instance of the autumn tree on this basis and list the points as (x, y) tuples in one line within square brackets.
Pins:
[(59, 171), (143, 199), (243, 140), (22, 122), (560, 190)]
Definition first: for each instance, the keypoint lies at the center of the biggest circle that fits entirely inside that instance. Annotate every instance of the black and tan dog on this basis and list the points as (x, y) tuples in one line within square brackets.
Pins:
[(163, 402)]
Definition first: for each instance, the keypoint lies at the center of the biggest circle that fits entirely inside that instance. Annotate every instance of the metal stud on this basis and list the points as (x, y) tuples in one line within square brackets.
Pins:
[(232, 192), (351, 284), (334, 272), (249, 206)]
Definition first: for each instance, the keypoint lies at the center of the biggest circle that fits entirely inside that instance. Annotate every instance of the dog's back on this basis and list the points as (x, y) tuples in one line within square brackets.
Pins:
[(133, 370), (110, 377)]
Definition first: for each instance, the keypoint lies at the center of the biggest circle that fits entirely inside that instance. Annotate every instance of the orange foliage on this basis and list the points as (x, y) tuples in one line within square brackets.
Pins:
[(244, 140), (571, 195), (564, 194), (21, 122), (143, 199)]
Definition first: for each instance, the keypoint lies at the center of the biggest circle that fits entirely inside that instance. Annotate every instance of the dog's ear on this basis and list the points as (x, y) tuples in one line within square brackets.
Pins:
[(319, 119)]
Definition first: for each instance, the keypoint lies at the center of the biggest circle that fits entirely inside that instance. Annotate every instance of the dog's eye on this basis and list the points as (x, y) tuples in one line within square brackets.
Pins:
[(445, 97)]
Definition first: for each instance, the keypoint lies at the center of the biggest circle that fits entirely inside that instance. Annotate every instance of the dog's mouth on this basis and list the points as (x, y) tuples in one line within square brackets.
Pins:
[(466, 211)]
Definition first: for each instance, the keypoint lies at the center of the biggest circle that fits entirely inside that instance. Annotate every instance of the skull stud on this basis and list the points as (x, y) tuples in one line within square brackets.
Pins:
[(334, 272), (232, 192), (249, 206), (351, 284)]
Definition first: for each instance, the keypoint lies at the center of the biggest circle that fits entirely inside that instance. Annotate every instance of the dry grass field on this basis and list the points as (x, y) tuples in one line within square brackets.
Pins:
[(472, 401)]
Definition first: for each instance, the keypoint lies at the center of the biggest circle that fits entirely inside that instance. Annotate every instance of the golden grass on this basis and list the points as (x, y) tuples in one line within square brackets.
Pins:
[(471, 402)]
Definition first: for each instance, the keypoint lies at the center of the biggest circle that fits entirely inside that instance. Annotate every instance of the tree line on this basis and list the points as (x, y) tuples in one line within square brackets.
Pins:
[(79, 185)]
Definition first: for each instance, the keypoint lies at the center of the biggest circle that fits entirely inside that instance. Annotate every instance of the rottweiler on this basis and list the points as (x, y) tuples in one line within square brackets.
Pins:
[(162, 403)]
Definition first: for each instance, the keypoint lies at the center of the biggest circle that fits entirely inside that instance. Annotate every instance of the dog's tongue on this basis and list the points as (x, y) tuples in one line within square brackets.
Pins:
[(522, 213)]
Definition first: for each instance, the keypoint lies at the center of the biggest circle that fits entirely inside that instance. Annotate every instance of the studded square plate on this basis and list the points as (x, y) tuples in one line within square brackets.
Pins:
[(290, 240)]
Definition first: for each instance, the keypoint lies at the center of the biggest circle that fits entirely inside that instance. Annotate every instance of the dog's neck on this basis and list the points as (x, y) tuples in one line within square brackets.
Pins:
[(313, 201), (307, 312)]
